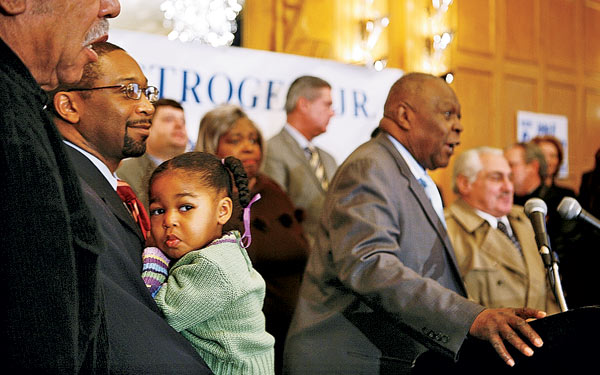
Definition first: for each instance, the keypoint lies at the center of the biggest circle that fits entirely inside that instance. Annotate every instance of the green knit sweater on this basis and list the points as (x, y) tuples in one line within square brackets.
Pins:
[(214, 297)]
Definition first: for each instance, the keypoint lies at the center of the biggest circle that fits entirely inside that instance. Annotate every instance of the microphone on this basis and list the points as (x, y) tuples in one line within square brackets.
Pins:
[(570, 209), (536, 210)]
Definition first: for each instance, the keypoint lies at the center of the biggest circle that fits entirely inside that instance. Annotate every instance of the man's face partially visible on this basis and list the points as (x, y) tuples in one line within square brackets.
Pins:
[(116, 126), (168, 129), (70, 27), (492, 190), (320, 111), (435, 129), (521, 171)]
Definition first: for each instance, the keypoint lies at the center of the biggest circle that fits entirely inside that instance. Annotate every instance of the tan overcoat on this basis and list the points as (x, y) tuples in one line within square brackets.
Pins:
[(493, 270)]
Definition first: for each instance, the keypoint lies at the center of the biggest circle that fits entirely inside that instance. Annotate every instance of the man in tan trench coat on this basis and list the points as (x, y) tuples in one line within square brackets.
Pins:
[(498, 269)]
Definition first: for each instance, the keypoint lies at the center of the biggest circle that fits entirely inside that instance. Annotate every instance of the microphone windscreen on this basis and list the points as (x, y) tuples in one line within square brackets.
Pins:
[(569, 208), (535, 205)]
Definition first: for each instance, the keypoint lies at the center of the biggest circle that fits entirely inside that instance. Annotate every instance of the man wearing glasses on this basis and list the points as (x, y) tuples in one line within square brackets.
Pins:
[(105, 118), (168, 139)]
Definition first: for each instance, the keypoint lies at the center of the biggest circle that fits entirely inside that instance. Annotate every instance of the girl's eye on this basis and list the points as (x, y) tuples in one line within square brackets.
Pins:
[(156, 211), (186, 207)]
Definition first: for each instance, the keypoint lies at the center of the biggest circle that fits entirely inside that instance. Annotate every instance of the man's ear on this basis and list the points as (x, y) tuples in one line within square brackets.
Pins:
[(13, 7), (224, 210), (463, 185), (66, 106), (402, 116), (303, 104)]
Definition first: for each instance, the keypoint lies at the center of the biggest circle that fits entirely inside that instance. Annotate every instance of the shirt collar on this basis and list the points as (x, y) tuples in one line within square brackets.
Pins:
[(298, 137), (155, 160), (14, 69), (415, 168), (111, 178), (493, 221)]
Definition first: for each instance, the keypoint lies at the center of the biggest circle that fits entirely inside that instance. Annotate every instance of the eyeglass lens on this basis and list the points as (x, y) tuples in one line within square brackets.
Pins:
[(134, 91)]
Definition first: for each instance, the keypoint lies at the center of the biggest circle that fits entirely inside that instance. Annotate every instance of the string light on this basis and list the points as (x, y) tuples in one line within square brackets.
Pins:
[(438, 38), (208, 21)]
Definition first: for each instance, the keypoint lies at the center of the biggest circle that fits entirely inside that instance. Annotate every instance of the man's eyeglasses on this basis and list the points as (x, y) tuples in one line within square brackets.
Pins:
[(131, 90)]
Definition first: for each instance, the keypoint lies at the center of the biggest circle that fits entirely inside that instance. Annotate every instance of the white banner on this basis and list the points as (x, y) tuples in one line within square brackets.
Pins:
[(530, 124), (201, 77)]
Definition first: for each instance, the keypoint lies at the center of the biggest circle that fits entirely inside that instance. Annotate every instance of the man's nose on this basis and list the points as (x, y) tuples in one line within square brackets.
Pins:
[(109, 9)]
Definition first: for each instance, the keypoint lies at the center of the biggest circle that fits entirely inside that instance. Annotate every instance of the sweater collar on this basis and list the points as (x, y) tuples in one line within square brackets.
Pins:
[(13, 69)]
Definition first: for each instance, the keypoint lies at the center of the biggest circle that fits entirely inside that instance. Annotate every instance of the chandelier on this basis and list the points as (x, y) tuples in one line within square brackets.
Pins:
[(208, 21)]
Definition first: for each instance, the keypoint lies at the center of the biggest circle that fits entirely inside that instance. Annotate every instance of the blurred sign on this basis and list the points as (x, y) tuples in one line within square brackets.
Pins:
[(530, 124)]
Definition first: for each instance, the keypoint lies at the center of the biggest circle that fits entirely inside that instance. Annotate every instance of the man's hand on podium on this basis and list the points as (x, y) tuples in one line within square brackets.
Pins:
[(496, 325)]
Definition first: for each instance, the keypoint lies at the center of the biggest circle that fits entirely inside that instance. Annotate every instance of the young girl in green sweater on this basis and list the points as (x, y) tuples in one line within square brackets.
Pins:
[(212, 294)]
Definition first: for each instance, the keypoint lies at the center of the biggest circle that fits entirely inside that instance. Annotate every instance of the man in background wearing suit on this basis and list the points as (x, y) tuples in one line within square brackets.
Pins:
[(381, 285), (105, 118), (302, 169), (493, 240), (168, 138)]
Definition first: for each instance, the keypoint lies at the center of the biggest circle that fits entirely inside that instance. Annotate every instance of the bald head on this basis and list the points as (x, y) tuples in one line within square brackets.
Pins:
[(423, 113), (408, 86)]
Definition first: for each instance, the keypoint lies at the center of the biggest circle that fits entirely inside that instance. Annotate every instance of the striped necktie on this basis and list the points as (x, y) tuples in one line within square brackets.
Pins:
[(502, 227), (317, 166), (135, 207)]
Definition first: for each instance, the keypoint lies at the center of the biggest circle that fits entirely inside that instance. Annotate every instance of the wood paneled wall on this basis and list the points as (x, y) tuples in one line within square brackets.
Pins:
[(534, 55), (507, 55)]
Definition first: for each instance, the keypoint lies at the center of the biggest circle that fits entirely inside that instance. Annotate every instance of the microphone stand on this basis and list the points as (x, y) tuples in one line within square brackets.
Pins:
[(551, 264)]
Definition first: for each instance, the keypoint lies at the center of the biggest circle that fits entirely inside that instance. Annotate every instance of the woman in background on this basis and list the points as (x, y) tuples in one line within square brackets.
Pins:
[(279, 249), (553, 153), (564, 234)]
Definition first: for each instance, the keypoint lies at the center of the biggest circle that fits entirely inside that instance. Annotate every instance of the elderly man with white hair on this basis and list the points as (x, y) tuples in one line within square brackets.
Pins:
[(493, 239)]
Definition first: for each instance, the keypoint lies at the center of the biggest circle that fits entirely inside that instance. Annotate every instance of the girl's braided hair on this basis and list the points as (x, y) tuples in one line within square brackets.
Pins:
[(211, 171)]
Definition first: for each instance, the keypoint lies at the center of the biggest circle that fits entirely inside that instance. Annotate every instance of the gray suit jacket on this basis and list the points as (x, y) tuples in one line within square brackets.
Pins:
[(136, 172), (381, 285), (287, 164)]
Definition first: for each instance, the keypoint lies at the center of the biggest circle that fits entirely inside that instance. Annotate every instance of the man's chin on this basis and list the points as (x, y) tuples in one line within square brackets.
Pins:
[(442, 163), (71, 74), (133, 151), (70, 70)]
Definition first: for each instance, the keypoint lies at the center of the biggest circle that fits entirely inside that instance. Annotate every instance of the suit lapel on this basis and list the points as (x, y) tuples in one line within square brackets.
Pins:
[(299, 154), (501, 248), (419, 194), (493, 242), (527, 241), (94, 178), (417, 190)]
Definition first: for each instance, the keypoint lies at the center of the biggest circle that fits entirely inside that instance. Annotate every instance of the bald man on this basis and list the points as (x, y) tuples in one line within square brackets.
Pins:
[(381, 285)]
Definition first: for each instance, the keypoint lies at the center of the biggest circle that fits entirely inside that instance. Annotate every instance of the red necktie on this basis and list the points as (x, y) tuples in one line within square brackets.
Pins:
[(136, 208)]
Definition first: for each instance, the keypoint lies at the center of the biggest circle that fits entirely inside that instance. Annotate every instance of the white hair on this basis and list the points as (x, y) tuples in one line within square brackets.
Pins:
[(468, 164)]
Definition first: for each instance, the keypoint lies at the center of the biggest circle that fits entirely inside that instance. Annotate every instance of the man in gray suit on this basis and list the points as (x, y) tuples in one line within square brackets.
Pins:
[(302, 169), (168, 138), (382, 286)]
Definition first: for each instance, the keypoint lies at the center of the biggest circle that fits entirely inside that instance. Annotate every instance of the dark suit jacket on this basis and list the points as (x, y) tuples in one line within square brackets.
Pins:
[(141, 342), (52, 308), (381, 285), (286, 163)]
